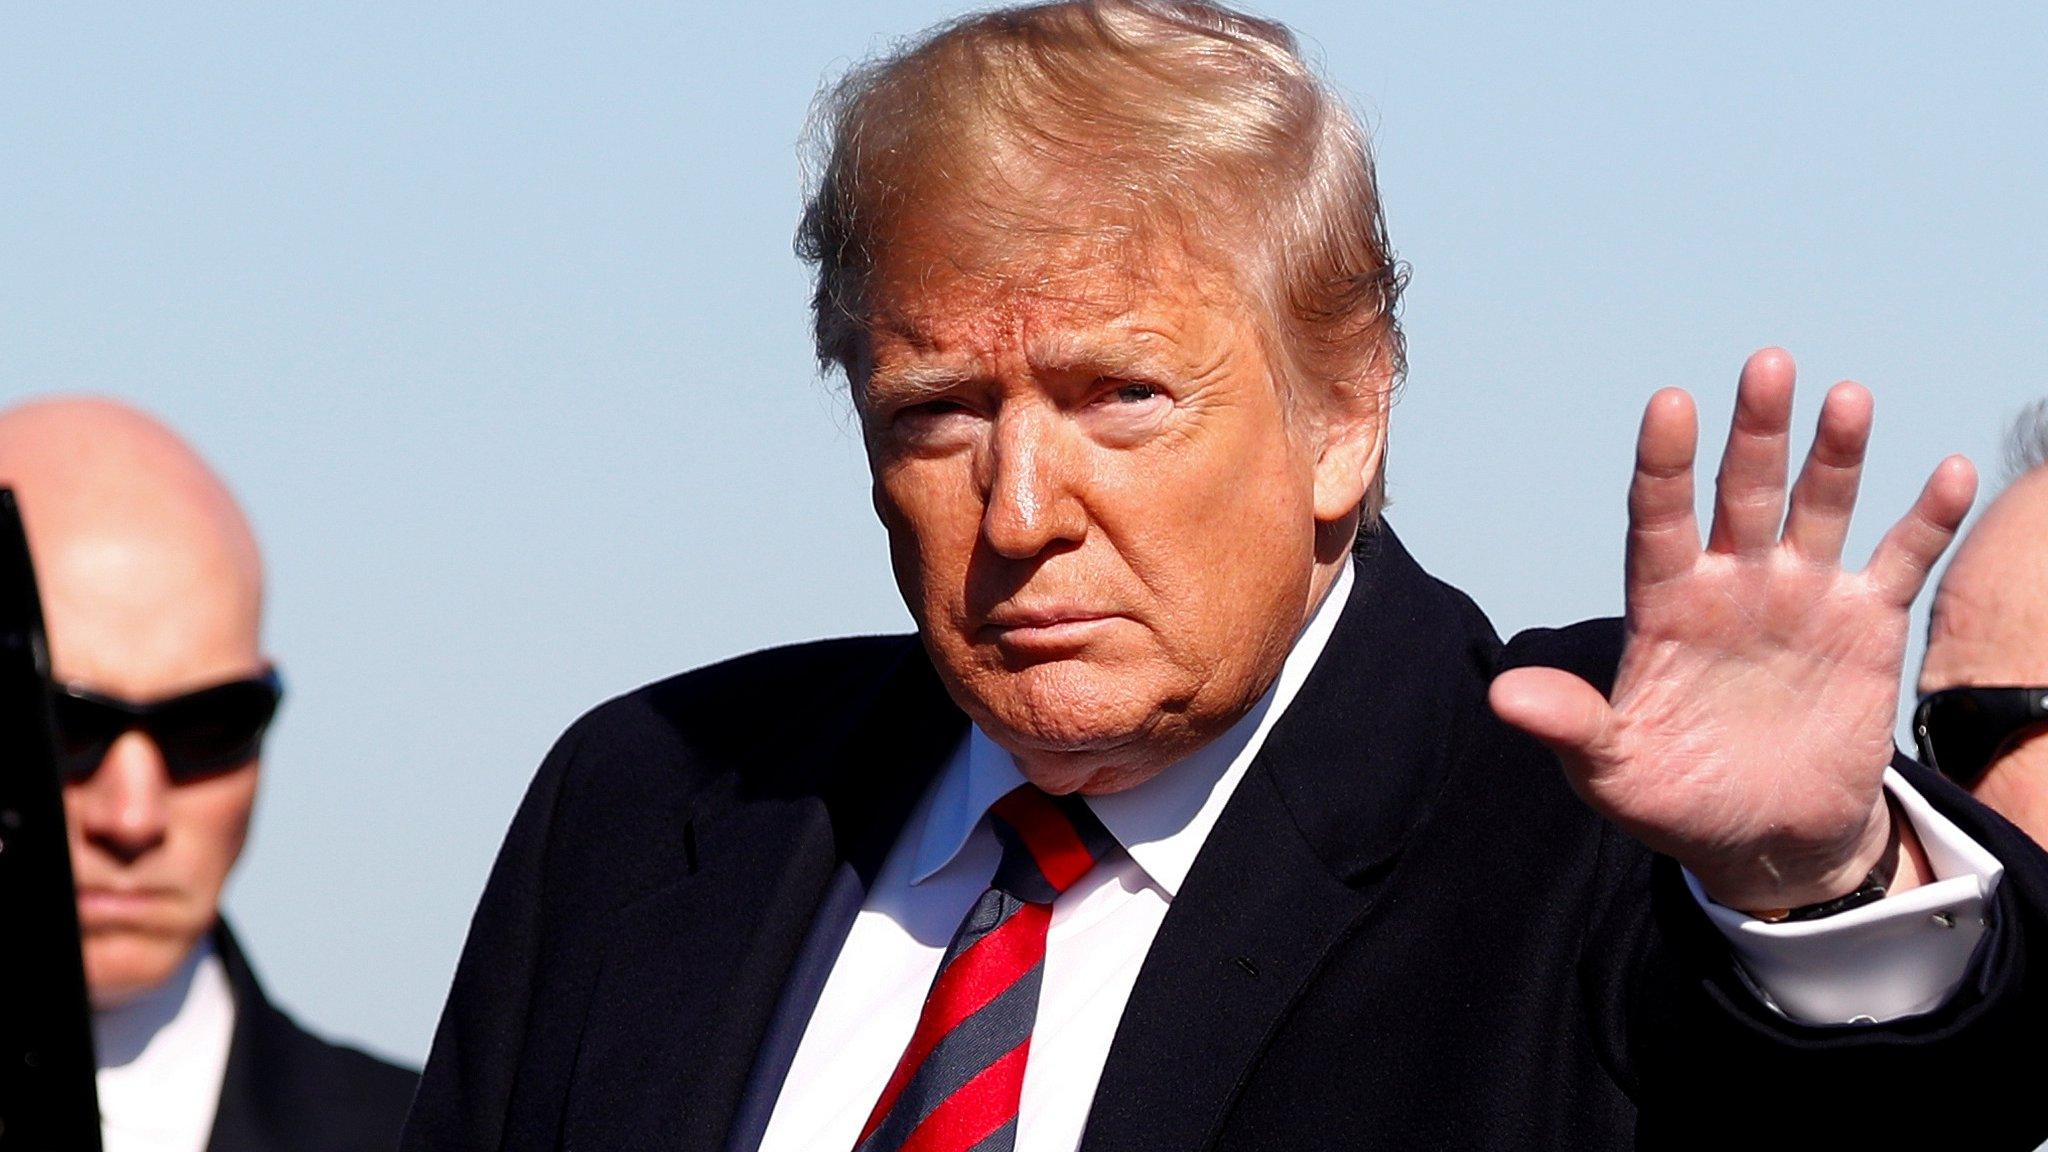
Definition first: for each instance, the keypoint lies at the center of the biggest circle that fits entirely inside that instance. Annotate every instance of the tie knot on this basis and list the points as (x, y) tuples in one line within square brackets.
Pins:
[(1049, 842)]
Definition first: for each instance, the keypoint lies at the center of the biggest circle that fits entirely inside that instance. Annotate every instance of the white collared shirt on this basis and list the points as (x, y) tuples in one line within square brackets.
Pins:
[(162, 1059), (1103, 926)]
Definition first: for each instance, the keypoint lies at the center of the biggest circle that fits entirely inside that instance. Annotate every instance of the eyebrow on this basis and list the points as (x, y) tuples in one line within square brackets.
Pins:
[(910, 383), (1065, 352)]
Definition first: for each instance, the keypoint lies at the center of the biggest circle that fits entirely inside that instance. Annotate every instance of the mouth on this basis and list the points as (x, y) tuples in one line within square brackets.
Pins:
[(1046, 629), (108, 907)]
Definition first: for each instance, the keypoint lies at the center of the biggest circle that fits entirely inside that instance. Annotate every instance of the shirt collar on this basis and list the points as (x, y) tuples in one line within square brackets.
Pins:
[(162, 1058), (1163, 822)]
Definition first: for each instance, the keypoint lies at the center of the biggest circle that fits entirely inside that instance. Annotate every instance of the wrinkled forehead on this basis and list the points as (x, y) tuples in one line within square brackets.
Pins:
[(1989, 621), (947, 297), (1973, 642), (948, 265)]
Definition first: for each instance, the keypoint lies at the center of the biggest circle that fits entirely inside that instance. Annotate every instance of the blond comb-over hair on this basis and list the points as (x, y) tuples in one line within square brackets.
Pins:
[(1178, 114)]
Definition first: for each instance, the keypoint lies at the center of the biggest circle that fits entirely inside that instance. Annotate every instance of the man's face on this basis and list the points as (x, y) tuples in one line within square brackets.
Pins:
[(144, 620), (1989, 622), (1099, 509)]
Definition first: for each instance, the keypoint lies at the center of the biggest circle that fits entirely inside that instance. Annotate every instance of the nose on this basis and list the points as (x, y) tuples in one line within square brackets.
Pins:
[(123, 808), (1030, 503)]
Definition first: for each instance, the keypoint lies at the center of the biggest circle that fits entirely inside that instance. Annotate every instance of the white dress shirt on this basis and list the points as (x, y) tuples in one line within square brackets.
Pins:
[(162, 1059), (1103, 926)]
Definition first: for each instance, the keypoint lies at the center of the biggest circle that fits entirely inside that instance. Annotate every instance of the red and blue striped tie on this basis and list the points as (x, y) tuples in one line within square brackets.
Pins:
[(957, 1086)]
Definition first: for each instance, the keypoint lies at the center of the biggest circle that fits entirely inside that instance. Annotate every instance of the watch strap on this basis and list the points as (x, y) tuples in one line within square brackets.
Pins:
[(1873, 888)]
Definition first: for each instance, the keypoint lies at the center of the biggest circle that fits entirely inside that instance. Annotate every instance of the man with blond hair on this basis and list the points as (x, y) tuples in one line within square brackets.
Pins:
[(153, 594), (1196, 815)]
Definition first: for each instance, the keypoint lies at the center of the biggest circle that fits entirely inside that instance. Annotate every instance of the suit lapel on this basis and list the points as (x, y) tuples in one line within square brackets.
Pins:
[(1233, 953), (678, 1012), (676, 1006), (245, 1121), (1294, 865)]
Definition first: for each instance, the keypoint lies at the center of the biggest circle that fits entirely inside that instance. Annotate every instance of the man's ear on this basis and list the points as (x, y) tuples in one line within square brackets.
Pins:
[(1354, 441)]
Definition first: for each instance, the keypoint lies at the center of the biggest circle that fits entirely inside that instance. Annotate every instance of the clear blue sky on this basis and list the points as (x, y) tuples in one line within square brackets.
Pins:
[(489, 313)]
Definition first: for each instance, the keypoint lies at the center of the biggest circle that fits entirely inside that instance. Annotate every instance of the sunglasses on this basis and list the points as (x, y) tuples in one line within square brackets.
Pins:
[(199, 733), (1961, 731)]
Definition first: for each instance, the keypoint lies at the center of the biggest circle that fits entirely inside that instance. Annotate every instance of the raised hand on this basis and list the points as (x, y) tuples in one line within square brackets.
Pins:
[(1752, 715)]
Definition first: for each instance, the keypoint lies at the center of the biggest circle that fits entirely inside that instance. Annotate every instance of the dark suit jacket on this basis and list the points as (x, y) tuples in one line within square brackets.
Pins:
[(1404, 932), (287, 1090)]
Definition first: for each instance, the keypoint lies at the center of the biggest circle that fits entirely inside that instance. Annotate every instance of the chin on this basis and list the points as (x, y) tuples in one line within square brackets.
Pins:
[(123, 968), (1066, 707)]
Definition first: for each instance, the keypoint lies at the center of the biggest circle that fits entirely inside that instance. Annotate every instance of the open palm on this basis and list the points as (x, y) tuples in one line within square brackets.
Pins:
[(1751, 718)]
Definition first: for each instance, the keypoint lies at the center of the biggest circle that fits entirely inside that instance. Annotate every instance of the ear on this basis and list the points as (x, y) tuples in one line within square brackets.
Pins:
[(1354, 441)]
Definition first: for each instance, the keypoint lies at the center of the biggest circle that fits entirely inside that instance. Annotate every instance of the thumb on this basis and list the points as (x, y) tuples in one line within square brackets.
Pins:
[(1567, 714)]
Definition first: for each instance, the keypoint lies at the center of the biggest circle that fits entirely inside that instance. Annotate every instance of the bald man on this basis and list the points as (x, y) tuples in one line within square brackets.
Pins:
[(153, 596), (1983, 715)]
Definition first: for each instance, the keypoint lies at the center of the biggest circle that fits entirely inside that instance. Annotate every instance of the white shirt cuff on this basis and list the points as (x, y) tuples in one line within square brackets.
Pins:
[(1901, 956)]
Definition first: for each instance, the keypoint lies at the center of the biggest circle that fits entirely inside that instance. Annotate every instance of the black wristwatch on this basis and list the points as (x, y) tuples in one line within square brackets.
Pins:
[(1872, 889)]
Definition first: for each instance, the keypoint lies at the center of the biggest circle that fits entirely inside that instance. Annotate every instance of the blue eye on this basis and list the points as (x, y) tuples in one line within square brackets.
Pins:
[(1135, 393)]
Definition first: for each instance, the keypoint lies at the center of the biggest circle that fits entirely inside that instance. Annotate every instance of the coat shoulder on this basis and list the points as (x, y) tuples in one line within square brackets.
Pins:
[(632, 770), (1590, 650), (725, 708)]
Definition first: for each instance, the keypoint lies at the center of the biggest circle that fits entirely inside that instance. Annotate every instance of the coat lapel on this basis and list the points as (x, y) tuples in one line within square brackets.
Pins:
[(1295, 863), (1233, 953), (676, 1005), (245, 1120), (678, 1012)]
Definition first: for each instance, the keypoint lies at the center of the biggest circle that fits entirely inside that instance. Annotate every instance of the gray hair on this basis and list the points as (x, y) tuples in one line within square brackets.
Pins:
[(2026, 440)]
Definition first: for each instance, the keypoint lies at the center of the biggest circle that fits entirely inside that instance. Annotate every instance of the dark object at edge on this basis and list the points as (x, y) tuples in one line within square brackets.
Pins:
[(47, 1096)]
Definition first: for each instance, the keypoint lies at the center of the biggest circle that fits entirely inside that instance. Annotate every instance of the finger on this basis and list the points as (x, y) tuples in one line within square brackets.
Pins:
[(1824, 498), (1907, 553), (1749, 497), (1663, 533), (1567, 714)]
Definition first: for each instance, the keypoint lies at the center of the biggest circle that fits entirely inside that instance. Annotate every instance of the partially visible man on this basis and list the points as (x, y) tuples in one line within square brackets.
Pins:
[(153, 594), (1984, 681)]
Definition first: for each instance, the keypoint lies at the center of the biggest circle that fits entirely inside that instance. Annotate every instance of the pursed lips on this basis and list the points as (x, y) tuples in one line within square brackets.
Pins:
[(99, 903), (1045, 625)]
